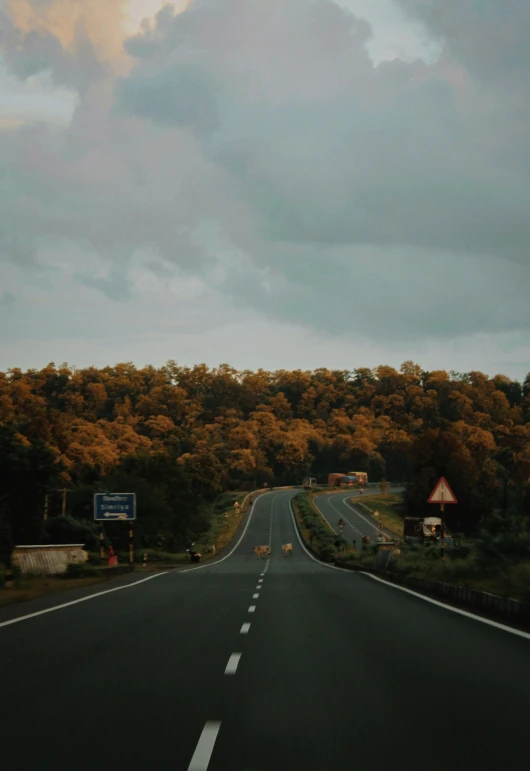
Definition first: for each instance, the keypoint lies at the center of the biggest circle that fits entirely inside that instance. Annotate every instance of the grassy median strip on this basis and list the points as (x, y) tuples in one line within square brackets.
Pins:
[(315, 531)]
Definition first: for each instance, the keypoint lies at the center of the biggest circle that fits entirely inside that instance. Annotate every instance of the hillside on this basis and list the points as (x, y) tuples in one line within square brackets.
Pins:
[(178, 436)]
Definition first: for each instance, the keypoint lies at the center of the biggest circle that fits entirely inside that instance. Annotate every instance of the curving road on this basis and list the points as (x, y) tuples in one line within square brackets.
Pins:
[(357, 521), (336, 671)]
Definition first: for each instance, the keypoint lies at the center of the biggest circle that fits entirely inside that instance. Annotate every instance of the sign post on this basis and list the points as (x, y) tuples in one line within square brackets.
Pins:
[(131, 544), (101, 547), (115, 506), (442, 494)]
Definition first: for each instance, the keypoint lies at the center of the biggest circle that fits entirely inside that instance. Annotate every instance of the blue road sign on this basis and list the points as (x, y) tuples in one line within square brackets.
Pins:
[(110, 506)]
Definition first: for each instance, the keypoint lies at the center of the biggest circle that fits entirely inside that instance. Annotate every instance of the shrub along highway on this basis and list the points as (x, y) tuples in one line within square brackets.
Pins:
[(259, 665)]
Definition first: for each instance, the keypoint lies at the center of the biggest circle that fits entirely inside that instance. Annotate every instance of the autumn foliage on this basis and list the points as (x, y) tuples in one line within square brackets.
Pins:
[(179, 436)]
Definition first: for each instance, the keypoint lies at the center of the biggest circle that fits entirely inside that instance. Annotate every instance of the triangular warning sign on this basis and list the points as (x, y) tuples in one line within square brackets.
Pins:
[(442, 493)]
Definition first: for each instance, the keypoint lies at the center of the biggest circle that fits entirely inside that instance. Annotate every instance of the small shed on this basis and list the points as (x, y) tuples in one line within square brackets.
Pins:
[(50, 559)]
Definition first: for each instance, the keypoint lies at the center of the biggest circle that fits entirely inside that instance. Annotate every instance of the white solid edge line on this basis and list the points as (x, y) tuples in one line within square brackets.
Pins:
[(467, 614), (203, 751), (233, 661), (358, 513), (81, 599), (218, 562), (245, 629), (252, 609), (129, 586)]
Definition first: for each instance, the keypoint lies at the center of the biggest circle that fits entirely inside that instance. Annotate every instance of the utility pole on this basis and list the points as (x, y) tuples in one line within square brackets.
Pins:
[(64, 491)]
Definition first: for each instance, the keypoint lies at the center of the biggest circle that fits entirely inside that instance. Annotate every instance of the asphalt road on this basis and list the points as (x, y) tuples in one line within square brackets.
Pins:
[(357, 521), (336, 671)]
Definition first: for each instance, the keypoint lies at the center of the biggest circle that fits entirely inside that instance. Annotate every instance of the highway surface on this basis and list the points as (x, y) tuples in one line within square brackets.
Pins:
[(259, 665)]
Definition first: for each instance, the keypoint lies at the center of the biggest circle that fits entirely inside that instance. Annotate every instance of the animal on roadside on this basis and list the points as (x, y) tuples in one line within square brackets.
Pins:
[(262, 550), (287, 549)]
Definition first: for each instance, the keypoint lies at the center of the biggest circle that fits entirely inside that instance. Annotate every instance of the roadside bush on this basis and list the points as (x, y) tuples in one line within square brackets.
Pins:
[(75, 570), (505, 541), (153, 555), (70, 530), (2, 575), (326, 552), (461, 552), (6, 539), (157, 556), (517, 582)]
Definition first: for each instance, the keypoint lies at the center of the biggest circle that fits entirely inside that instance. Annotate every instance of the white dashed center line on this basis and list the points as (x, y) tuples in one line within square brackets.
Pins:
[(244, 629), (252, 609), (345, 519), (233, 661), (258, 587), (260, 581), (255, 596), (203, 752)]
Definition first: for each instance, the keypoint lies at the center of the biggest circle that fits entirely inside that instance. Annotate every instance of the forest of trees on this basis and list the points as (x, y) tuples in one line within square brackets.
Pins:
[(178, 436)]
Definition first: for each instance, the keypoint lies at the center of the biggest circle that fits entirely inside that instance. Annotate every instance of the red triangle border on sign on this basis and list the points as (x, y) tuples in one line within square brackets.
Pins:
[(437, 485)]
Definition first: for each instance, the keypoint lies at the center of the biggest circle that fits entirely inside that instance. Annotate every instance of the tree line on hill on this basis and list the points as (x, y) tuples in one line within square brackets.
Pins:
[(178, 436)]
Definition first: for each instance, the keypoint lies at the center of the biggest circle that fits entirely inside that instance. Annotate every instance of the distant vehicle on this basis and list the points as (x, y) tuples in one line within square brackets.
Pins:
[(362, 476), (425, 529), (309, 482), (194, 555), (342, 480)]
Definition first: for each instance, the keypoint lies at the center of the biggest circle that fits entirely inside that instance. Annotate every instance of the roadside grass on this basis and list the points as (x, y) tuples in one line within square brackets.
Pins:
[(503, 578), (224, 521), (389, 507), (31, 587)]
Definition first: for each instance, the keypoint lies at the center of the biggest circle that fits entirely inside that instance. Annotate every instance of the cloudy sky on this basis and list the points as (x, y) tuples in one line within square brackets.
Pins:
[(267, 183)]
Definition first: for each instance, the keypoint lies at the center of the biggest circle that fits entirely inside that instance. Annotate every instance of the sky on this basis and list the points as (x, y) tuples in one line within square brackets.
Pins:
[(265, 183)]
